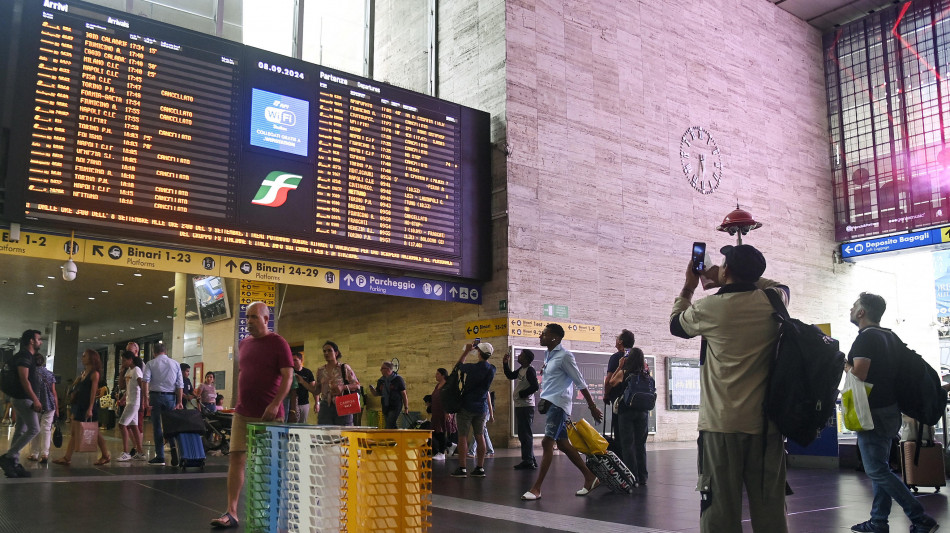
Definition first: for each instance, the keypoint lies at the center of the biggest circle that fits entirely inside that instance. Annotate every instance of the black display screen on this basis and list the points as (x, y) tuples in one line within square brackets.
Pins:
[(134, 127)]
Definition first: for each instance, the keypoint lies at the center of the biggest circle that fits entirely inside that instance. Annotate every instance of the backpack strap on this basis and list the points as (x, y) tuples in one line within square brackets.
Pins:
[(776, 300)]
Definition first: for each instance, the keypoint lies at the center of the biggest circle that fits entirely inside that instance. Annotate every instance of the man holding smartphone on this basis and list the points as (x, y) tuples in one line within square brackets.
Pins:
[(739, 338)]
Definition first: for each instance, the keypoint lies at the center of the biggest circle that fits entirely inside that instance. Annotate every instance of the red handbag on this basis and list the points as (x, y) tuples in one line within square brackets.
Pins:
[(348, 404)]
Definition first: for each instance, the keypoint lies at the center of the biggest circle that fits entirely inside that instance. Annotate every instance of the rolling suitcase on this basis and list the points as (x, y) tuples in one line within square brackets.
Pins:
[(191, 451), (611, 471), (922, 463)]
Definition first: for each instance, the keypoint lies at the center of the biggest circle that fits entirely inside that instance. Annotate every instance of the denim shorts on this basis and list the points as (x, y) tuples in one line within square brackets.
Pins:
[(556, 425)]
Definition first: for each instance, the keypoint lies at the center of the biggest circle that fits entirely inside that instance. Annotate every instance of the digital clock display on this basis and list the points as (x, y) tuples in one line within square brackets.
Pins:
[(127, 126)]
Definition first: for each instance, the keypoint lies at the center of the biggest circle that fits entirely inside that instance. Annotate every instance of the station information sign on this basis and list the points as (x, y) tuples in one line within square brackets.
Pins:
[(138, 128)]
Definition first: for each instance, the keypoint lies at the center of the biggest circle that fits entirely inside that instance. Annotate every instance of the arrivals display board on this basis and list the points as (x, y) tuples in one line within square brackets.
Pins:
[(132, 127)]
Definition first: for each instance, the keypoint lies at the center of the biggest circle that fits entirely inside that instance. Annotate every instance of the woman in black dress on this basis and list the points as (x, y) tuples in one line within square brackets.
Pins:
[(85, 407)]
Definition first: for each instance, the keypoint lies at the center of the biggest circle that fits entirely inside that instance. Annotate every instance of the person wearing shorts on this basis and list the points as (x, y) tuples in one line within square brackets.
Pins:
[(474, 411), (265, 372), (559, 376)]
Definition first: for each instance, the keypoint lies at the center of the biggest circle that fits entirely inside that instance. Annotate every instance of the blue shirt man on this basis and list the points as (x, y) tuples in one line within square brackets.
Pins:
[(559, 376), (163, 390)]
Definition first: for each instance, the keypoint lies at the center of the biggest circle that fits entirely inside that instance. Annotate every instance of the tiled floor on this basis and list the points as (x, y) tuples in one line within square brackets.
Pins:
[(135, 497)]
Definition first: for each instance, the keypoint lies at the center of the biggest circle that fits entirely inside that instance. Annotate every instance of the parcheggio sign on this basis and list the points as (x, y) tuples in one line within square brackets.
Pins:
[(893, 243)]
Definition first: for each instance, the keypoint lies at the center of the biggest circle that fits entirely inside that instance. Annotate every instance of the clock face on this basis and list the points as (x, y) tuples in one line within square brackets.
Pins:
[(701, 160), (395, 363)]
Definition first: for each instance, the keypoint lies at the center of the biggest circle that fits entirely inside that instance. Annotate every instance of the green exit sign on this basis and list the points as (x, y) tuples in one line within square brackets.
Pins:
[(554, 311)]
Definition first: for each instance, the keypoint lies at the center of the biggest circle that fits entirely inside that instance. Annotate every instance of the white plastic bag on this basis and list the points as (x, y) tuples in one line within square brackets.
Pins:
[(854, 401)]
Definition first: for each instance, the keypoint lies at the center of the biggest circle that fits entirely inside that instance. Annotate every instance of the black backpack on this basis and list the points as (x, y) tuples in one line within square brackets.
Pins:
[(803, 379), (10, 379), (452, 391), (920, 394), (640, 392)]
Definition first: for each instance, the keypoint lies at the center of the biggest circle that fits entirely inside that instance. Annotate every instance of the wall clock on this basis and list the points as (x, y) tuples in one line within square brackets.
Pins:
[(395, 363), (701, 160)]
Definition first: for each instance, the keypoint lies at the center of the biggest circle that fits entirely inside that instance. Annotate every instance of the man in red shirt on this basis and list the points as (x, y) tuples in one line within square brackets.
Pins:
[(265, 371)]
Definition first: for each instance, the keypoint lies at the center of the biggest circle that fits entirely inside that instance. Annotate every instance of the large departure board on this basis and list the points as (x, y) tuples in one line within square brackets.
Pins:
[(128, 126)]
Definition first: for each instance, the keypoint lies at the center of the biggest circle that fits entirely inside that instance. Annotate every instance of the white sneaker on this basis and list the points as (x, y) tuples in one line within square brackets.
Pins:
[(451, 448), (140, 457), (124, 457), (438, 457)]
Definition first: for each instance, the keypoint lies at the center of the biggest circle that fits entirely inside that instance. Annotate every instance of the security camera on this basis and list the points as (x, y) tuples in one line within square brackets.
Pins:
[(69, 270)]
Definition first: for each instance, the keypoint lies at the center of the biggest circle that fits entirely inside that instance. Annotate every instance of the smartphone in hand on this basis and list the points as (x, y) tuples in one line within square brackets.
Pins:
[(699, 257)]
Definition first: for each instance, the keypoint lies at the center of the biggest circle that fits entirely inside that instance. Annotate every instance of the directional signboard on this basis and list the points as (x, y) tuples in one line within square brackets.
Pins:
[(42, 245), (280, 272), (150, 257), (893, 243), (427, 289), (526, 327), (487, 327)]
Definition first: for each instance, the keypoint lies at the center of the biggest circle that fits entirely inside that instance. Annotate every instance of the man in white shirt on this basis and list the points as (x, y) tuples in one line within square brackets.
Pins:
[(163, 386)]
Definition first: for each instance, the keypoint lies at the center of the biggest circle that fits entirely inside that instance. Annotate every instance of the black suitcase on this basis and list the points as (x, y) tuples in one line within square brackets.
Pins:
[(611, 471)]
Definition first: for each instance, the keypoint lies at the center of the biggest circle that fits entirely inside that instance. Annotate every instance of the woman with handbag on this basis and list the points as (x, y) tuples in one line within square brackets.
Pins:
[(333, 380), (633, 421), (85, 408)]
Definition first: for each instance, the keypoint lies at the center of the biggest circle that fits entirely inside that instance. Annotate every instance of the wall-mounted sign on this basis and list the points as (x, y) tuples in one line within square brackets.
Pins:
[(893, 243), (683, 387)]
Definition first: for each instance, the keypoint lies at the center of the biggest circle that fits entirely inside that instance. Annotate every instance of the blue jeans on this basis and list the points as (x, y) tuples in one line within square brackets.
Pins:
[(524, 417), (27, 426), (875, 446), (160, 402)]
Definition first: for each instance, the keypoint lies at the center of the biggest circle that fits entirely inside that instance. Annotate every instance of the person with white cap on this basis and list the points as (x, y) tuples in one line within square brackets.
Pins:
[(472, 415)]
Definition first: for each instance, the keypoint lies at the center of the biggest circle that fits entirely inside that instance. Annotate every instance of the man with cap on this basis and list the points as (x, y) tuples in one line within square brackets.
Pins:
[(739, 338), (474, 411)]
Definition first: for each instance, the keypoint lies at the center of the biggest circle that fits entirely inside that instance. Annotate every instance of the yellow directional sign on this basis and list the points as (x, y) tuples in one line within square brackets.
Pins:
[(151, 258), (945, 234), (280, 272), (41, 245), (488, 327), (526, 327), (258, 291)]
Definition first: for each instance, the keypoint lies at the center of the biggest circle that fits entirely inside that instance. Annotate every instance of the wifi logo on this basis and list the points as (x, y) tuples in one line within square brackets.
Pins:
[(275, 188)]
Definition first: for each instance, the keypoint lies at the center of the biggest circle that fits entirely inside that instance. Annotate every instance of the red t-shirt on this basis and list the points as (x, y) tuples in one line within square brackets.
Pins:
[(259, 362)]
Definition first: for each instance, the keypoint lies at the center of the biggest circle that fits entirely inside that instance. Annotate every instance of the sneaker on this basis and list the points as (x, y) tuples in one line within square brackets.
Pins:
[(7, 464), (526, 465), (450, 449), (132, 453), (924, 525), (157, 461), (460, 472), (478, 472), (139, 457), (871, 527), (124, 457), (438, 457), (20, 471)]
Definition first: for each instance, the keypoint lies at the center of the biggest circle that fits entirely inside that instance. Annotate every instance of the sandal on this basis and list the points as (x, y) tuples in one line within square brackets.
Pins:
[(103, 460), (62, 461), (225, 521)]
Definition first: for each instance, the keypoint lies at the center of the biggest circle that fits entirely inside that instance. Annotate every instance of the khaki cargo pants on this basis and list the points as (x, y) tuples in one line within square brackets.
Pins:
[(727, 461)]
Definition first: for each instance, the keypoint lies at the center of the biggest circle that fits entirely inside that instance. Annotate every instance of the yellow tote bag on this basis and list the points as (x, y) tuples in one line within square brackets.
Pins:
[(585, 438)]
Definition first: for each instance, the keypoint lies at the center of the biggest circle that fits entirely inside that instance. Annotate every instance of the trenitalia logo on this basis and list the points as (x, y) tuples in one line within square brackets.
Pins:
[(274, 189)]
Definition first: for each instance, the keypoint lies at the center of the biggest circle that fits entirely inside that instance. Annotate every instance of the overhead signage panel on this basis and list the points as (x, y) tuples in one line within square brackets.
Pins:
[(893, 243), (151, 258), (42, 245), (279, 272)]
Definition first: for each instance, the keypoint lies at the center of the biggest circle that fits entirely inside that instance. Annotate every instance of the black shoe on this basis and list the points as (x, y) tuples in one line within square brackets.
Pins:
[(478, 472), (526, 465), (20, 471), (9, 466), (157, 461), (460, 472)]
